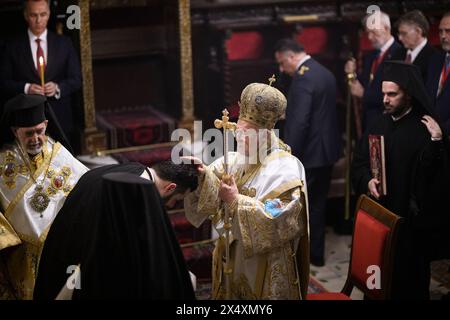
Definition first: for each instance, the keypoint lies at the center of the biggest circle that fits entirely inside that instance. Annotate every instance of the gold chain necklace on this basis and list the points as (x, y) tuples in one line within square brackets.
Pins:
[(40, 199)]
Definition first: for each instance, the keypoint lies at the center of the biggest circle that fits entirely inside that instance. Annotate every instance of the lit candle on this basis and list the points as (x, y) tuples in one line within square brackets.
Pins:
[(41, 67)]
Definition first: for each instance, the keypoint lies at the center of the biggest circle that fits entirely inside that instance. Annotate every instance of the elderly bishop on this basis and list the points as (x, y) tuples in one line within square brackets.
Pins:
[(265, 194), (36, 175)]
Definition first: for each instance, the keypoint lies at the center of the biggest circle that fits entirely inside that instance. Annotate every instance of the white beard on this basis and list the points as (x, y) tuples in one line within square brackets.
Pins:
[(34, 151)]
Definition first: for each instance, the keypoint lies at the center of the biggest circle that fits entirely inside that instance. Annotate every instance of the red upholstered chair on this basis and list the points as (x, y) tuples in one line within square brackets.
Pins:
[(374, 238)]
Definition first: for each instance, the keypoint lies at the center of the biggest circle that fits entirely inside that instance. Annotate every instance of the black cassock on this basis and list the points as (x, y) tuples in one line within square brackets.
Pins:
[(404, 140), (415, 177), (114, 224)]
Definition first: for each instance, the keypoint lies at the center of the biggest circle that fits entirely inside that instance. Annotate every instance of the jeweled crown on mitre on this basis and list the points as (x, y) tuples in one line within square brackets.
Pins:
[(262, 104)]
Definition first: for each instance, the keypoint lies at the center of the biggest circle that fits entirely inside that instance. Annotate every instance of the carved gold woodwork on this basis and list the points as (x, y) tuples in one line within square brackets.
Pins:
[(92, 138)]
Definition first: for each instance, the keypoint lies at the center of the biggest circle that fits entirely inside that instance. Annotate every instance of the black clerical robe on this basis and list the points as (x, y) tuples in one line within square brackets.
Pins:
[(83, 232), (404, 139), (413, 161)]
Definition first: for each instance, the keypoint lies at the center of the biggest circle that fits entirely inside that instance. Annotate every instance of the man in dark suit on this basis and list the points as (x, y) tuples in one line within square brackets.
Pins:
[(438, 84), (20, 67), (311, 130), (413, 30), (367, 86)]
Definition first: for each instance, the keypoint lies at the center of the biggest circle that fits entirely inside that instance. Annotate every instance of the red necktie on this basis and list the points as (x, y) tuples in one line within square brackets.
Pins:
[(375, 64), (39, 53), (444, 74), (408, 58)]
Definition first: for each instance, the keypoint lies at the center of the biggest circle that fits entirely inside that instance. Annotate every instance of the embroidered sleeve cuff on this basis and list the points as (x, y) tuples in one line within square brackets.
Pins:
[(233, 206), (201, 179)]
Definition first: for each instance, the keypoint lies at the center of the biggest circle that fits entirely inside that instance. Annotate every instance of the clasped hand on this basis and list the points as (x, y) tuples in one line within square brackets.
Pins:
[(228, 190), (48, 90)]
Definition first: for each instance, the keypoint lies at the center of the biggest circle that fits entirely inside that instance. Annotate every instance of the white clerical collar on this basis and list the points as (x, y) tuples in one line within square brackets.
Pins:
[(387, 45), (33, 37), (307, 57), (148, 174), (414, 53), (152, 174), (398, 118)]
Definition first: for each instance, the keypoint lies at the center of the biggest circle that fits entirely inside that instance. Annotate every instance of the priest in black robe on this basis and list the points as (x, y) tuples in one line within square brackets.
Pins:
[(114, 227), (415, 155)]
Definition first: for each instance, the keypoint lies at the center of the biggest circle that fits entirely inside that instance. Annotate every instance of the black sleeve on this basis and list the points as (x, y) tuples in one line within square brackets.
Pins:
[(69, 234)]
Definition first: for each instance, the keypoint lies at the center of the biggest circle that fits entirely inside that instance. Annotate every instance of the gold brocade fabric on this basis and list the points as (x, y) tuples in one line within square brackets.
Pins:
[(36, 162), (262, 247), (21, 268), (23, 230)]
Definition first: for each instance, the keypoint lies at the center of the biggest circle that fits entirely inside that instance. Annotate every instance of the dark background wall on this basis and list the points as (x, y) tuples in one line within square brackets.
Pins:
[(136, 50)]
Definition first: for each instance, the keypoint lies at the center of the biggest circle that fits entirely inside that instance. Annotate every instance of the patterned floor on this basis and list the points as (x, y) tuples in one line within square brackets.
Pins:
[(333, 275)]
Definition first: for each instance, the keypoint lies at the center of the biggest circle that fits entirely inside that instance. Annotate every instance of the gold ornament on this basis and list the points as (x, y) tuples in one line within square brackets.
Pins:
[(10, 168), (40, 200), (59, 180), (302, 70), (262, 105)]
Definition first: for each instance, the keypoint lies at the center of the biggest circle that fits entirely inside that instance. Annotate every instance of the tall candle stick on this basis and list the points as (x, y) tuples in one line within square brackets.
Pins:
[(41, 67)]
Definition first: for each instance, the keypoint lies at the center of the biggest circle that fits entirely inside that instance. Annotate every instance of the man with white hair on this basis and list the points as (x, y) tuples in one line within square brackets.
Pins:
[(413, 28), (367, 85)]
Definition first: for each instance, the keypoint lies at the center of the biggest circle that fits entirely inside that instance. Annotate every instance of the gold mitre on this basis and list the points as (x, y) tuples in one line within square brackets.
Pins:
[(262, 105)]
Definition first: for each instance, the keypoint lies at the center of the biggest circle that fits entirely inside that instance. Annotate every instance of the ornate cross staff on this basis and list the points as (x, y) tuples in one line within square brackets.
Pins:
[(226, 125)]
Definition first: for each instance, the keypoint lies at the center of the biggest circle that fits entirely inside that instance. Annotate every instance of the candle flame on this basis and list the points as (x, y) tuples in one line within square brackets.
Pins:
[(41, 61)]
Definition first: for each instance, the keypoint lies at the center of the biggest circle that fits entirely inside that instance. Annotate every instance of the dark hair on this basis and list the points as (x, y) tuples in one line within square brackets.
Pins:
[(447, 14), (287, 44), (415, 17), (184, 175)]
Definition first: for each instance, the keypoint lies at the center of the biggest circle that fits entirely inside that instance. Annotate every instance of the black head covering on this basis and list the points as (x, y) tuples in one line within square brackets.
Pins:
[(408, 77), (113, 223), (28, 110)]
